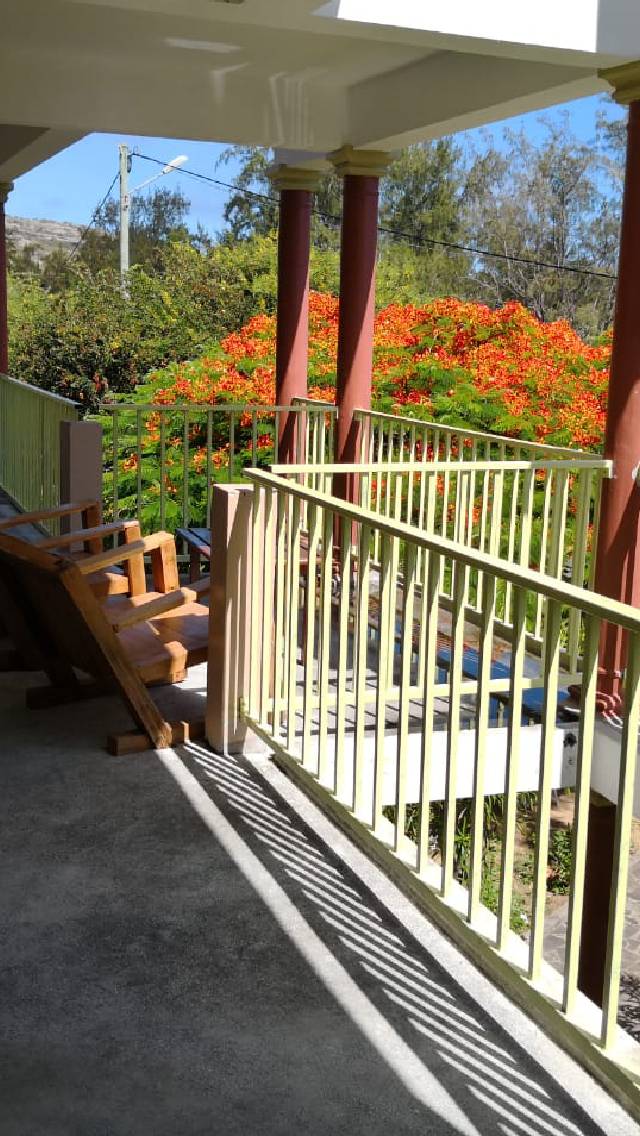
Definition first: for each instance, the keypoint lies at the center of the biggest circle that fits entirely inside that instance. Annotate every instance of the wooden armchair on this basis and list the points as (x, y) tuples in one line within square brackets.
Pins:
[(104, 582), (123, 643)]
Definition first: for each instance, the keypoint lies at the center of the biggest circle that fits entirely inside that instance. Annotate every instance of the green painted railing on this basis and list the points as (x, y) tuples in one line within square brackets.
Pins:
[(162, 460), (399, 714), (30, 442)]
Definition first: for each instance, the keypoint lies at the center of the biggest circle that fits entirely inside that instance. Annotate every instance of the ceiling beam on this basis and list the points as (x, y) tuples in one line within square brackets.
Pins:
[(450, 92)]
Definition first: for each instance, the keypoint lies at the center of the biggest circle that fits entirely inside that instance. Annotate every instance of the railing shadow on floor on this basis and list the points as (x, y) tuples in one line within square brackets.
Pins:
[(455, 1048)]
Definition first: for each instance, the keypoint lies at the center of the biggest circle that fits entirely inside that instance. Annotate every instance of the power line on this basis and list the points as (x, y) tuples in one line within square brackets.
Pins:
[(410, 238), (94, 215)]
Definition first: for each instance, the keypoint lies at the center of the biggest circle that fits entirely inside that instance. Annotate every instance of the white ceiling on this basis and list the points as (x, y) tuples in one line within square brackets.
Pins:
[(286, 73)]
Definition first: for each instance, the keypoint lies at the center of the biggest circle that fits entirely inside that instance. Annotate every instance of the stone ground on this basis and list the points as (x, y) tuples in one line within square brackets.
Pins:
[(189, 948), (554, 942)]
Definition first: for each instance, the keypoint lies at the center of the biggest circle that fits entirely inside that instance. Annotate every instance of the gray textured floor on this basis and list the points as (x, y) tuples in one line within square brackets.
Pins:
[(182, 955)]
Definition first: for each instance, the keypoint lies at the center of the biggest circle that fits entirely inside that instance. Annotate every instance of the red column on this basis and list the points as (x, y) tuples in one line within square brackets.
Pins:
[(361, 171), (618, 552), (292, 321), (618, 549), (5, 189)]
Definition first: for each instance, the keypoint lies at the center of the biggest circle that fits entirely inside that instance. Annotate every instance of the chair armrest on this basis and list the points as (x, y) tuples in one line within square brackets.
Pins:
[(158, 606), (84, 535), (124, 552), (48, 514)]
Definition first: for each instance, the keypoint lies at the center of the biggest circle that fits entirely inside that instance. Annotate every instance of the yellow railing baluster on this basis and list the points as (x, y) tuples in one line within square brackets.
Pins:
[(581, 814), (622, 845), (430, 658), (513, 766), (545, 784), (453, 732), (324, 647), (579, 558), (309, 669), (361, 665), (343, 653), (280, 615), (386, 650), (294, 601), (406, 652), (268, 597), (483, 706)]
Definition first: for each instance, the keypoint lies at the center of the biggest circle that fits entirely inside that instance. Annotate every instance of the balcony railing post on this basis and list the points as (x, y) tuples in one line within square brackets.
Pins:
[(80, 468), (234, 629)]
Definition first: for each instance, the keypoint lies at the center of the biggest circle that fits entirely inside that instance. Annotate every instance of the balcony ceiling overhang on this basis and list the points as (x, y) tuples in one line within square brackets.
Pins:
[(294, 74)]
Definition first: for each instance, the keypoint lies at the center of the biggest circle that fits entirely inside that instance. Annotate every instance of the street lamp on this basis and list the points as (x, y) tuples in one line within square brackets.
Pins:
[(125, 201)]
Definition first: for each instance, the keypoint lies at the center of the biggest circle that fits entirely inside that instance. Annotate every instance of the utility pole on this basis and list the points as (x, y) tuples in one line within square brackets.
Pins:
[(125, 166), (125, 203)]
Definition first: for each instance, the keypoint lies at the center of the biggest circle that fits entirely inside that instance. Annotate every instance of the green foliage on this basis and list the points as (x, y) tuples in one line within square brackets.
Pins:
[(560, 861), (90, 339)]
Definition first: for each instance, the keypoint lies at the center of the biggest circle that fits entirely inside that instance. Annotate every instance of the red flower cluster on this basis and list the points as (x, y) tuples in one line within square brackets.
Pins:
[(500, 370)]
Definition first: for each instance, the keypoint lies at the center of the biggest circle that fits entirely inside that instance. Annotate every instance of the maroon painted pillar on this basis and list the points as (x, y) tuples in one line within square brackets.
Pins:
[(5, 190), (618, 549), (292, 321), (361, 171)]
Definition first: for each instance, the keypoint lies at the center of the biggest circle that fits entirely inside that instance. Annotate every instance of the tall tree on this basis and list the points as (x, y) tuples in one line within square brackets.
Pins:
[(545, 202), (154, 219)]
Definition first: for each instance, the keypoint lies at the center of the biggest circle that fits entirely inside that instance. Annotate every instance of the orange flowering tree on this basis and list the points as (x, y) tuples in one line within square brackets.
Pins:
[(502, 371)]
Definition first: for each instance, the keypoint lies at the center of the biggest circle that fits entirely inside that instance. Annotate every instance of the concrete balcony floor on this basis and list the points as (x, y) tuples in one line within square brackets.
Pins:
[(189, 947)]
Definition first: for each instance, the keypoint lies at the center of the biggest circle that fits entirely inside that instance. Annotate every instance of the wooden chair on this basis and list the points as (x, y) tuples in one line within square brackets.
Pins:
[(106, 581), (123, 643)]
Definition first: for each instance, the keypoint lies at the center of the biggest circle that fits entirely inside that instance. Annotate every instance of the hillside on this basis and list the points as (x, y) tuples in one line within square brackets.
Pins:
[(44, 236)]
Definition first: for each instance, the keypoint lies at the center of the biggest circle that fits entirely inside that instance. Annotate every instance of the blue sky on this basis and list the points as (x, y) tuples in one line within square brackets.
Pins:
[(69, 186)]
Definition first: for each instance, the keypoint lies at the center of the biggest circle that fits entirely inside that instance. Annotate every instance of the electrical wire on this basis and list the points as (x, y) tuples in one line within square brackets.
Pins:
[(409, 238), (74, 251)]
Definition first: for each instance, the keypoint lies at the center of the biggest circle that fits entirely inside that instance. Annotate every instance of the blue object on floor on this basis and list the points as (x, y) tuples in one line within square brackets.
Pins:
[(532, 700)]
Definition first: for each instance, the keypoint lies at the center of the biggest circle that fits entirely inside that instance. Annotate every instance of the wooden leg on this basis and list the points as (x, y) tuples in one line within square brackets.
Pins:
[(164, 568), (194, 565), (138, 742)]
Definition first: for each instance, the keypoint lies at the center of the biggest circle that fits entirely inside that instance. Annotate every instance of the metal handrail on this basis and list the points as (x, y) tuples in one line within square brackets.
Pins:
[(340, 671)]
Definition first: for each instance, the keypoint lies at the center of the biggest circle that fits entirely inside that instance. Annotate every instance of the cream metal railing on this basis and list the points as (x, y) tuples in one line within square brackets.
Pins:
[(540, 514), (387, 437), (161, 460), (380, 695), (30, 442)]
